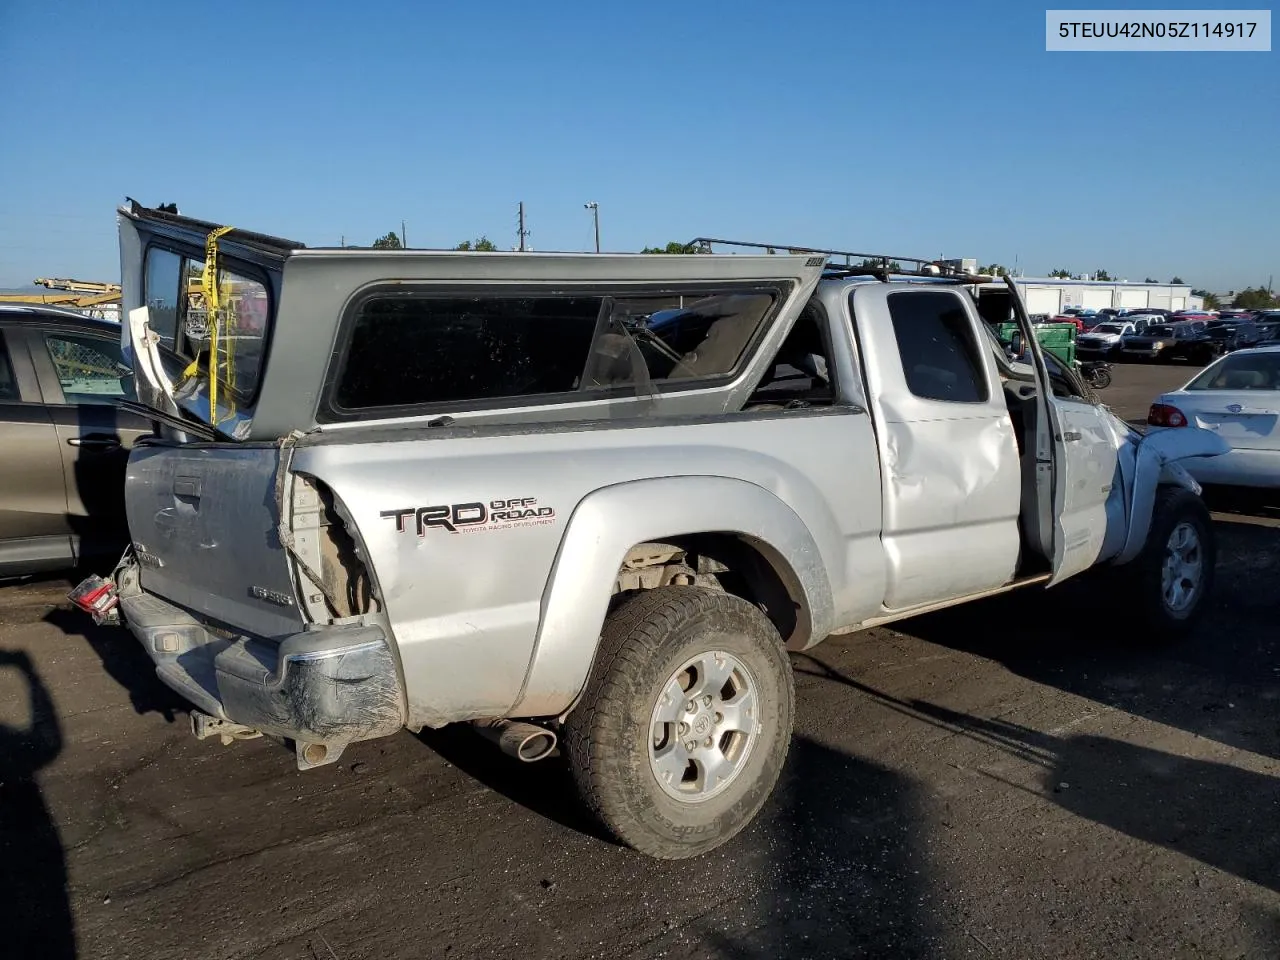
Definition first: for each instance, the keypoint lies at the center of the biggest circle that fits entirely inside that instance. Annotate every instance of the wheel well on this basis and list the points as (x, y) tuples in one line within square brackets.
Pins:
[(730, 562)]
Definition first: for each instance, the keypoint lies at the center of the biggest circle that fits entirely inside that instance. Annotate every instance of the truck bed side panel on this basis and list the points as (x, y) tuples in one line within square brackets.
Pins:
[(464, 530)]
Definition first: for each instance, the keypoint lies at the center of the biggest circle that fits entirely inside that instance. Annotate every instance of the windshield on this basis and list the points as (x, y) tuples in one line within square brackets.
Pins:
[(1108, 328), (1159, 331), (1240, 371)]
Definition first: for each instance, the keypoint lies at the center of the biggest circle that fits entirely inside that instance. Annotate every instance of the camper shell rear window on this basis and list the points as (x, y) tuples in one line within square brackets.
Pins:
[(178, 307)]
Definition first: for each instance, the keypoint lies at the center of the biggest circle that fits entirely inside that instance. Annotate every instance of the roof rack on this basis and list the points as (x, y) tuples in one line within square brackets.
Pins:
[(871, 264)]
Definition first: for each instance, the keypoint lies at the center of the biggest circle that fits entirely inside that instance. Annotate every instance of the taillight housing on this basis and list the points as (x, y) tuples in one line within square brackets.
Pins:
[(1164, 415), (97, 597)]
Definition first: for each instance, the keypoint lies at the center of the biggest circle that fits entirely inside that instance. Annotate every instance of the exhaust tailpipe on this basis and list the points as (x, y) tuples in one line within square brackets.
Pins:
[(524, 741)]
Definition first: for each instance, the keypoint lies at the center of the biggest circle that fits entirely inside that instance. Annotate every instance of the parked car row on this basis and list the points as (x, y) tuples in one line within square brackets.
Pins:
[(1180, 337)]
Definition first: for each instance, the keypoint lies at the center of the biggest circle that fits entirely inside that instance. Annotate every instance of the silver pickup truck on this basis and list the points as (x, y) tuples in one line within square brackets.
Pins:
[(591, 501)]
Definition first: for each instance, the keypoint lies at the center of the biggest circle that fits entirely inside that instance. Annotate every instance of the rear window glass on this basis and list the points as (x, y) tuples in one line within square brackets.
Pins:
[(1241, 371), (243, 307), (178, 312), (416, 350)]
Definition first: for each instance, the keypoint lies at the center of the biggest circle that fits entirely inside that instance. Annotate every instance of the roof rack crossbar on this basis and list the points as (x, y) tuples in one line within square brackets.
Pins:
[(871, 264)]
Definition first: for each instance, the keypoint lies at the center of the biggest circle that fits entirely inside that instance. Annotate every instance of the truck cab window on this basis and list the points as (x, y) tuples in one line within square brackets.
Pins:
[(937, 347), (800, 374)]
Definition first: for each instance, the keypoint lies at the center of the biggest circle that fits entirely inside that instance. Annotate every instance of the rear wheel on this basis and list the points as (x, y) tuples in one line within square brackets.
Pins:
[(1172, 578), (685, 723)]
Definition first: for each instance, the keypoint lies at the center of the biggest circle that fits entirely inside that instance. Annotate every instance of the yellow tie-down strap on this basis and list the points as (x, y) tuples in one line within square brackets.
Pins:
[(213, 309)]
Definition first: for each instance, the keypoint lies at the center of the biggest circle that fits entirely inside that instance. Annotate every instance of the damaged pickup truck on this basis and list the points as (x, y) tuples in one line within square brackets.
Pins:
[(593, 500)]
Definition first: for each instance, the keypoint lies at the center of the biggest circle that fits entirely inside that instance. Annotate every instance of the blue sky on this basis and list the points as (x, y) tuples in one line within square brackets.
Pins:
[(914, 128)]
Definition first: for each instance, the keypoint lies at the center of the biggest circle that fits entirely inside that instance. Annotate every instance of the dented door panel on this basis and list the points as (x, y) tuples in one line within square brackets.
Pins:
[(952, 480)]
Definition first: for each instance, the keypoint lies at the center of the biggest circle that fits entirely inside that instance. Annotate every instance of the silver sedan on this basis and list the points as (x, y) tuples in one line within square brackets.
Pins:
[(1237, 397)]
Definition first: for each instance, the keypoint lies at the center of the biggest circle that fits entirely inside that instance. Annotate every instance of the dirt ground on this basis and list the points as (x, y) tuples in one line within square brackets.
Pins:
[(1011, 779)]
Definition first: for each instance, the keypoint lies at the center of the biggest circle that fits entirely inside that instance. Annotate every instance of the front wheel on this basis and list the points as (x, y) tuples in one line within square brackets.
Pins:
[(1172, 578), (685, 722), (1102, 379)]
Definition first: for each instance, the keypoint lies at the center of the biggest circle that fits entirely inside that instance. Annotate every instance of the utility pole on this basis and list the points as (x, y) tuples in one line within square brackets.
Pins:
[(595, 216), (521, 232), (403, 242)]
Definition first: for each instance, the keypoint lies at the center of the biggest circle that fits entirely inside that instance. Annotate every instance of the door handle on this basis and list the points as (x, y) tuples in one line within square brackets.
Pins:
[(95, 443), (1071, 435)]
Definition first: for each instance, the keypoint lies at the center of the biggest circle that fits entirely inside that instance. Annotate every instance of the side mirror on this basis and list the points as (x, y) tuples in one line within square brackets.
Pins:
[(1016, 344)]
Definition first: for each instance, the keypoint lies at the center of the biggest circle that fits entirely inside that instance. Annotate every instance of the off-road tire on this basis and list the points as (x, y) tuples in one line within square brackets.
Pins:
[(607, 736), (1148, 611)]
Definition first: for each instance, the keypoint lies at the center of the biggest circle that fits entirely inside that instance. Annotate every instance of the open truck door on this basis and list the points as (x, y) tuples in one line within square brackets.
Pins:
[(1076, 458)]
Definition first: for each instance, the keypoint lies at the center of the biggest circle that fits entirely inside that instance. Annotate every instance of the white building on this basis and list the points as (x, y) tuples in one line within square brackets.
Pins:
[(1051, 296)]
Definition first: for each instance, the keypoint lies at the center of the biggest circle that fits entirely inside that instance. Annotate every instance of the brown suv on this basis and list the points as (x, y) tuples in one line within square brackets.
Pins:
[(65, 442)]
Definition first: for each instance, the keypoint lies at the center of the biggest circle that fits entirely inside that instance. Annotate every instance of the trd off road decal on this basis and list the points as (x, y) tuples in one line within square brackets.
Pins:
[(469, 517)]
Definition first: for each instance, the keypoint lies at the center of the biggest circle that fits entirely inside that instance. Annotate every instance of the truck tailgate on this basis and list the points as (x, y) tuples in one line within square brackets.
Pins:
[(203, 520)]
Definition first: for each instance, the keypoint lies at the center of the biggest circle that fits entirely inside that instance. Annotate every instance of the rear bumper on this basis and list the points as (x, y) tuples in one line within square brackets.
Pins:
[(332, 685), (1237, 468)]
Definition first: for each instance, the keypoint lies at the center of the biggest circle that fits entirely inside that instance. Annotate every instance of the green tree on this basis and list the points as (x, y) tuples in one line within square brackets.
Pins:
[(1177, 280), (994, 270), (893, 266), (1151, 280), (1251, 298), (1061, 274), (672, 247), (482, 244), (390, 242), (1101, 274), (1211, 300)]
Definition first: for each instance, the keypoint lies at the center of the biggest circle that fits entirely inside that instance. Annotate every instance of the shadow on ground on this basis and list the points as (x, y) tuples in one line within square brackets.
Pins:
[(544, 787), (1219, 814), (124, 660), (35, 913), (1220, 682), (838, 858), (831, 867)]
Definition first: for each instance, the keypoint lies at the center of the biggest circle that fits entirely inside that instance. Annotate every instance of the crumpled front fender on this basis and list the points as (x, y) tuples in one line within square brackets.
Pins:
[(1157, 461)]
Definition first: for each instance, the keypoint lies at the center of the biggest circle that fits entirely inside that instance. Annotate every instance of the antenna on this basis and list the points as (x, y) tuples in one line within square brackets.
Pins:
[(521, 232)]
